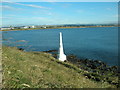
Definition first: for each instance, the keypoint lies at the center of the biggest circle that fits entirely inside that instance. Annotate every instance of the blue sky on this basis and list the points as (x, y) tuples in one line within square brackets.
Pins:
[(63, 0), (40, 13)]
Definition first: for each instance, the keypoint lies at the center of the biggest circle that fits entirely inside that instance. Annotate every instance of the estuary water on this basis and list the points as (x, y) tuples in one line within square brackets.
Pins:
[(98, 43)]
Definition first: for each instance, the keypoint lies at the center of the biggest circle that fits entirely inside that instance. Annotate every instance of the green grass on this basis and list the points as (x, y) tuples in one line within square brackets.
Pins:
[(41, 70)]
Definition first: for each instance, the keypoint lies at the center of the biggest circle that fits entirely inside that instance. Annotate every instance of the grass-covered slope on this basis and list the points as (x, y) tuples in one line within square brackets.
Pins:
[(41, 70)]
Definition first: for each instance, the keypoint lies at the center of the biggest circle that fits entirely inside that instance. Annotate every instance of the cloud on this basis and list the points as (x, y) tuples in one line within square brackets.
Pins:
[(7, 17), (29, 5), (4, 17), (63, 0), (38, 18), (109, 9), (36, 6), (6, 7), (9, 8), (22, 18), (50, 13), (116, 16), (79, 11), (49, 0)]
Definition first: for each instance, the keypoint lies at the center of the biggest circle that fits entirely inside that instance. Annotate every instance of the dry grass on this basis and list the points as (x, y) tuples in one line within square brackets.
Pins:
[(41, 70)]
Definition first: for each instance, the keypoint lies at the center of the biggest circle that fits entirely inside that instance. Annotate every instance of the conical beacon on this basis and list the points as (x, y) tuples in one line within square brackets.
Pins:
[(61, 55)]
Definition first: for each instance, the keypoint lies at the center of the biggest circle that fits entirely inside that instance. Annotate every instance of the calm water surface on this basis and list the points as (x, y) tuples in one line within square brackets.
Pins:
[(100, 43)]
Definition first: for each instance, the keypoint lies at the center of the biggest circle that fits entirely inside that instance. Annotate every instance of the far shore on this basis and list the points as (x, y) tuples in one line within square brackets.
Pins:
[(57, 28)]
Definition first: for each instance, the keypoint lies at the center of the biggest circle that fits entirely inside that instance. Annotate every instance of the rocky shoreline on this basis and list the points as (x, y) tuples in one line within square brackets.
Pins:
[(96, 70)]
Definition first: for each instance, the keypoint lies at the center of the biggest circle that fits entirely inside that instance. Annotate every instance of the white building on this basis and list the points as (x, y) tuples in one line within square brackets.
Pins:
[(5, 28), (44, 27), (32, 26), (24, 27)]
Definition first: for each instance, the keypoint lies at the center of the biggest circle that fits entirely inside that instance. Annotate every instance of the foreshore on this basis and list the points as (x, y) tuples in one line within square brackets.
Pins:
[(57, 28)]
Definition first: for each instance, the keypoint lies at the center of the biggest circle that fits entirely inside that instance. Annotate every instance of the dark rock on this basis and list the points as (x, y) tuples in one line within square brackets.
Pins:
[(50, 51), (88, 76), (107, 78), (65, 61), (21, 49), (97, 70), (114, 83), (109, 81), (97, 79)]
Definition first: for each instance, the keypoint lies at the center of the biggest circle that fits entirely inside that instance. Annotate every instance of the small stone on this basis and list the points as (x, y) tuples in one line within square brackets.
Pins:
[(26, 85)]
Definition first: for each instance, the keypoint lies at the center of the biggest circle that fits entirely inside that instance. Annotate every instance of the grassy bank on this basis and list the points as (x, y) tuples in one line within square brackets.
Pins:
[(41, 70)]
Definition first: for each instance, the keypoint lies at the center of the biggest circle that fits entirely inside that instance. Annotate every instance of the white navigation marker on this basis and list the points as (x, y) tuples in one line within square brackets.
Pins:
[(61, 55)]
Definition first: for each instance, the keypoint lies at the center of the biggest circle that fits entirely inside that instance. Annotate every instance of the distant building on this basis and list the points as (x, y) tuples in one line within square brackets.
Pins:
[(24, 27), (17, 27), (32, 26), (6, 28), (44, 27), (12, 28)]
